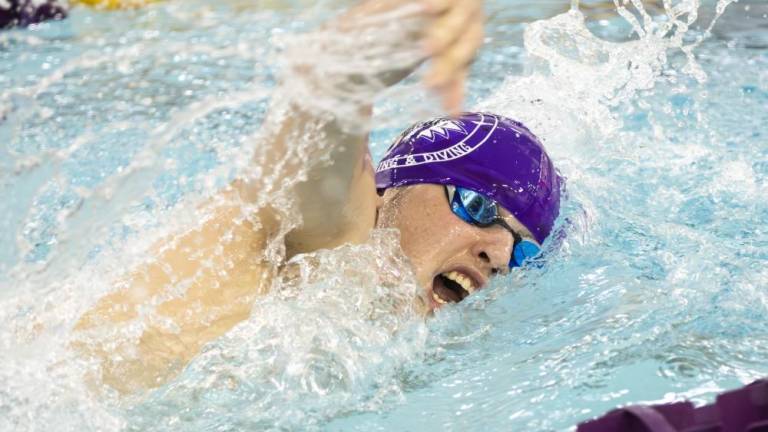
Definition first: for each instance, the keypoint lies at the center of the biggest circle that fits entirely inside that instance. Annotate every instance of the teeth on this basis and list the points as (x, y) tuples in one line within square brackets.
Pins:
[(460, 279), (438, 299)]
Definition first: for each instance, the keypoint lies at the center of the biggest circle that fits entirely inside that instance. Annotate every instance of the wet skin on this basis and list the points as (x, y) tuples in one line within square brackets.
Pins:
[(437, 242)]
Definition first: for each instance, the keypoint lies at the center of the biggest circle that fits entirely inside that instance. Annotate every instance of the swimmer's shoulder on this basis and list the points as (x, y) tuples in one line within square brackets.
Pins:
[(330, 223)]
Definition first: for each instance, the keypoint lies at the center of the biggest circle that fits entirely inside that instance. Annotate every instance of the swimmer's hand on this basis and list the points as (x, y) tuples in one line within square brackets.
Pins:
[(450, 35), (452, 40), (383, 41)]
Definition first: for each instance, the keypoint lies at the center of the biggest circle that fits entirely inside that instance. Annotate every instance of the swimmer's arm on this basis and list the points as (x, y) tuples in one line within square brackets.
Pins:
[(198, 287), (338, 200), (203, 282)]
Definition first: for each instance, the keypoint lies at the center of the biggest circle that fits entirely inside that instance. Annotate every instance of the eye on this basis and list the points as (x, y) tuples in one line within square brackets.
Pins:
[(482, 209)]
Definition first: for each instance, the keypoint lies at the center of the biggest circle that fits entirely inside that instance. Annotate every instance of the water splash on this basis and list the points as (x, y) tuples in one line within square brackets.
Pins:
[(578, 79), (357, 346), (352, 70), (356, 330)]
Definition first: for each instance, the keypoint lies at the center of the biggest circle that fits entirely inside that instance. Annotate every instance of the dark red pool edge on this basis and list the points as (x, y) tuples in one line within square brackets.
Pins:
[(742, 410), (22, 13)]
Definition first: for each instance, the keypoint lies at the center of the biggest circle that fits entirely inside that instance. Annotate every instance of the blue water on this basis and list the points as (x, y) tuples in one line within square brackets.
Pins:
[(657, 292)]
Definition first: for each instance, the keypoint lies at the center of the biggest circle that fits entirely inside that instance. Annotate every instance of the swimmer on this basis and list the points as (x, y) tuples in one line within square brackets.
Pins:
[(473, 195)]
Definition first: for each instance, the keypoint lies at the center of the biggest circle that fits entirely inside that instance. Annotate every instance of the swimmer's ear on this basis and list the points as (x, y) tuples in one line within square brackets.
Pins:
[(379, 204)]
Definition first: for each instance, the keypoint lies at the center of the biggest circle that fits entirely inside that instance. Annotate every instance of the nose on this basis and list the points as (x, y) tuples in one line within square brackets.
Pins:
[(494, 248)]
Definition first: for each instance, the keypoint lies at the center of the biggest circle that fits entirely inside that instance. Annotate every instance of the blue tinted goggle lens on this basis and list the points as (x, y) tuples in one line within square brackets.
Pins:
[(480, 208), (524, 250), (477, 209)]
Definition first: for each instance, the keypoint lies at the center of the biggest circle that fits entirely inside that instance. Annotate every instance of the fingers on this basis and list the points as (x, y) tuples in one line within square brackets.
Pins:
[(453, 18), (453, 33), (453, 93), (457, 57), (453, 41), (438, 7)]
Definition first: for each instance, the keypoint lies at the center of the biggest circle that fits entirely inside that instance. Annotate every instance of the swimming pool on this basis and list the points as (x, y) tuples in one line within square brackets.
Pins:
[(115, 122)]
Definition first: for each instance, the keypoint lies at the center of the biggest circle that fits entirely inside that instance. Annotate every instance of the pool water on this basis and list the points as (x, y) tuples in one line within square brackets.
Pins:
[(114, 124)]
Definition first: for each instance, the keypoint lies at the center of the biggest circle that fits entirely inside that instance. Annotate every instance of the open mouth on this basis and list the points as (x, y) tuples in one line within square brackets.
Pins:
[(451, 287)]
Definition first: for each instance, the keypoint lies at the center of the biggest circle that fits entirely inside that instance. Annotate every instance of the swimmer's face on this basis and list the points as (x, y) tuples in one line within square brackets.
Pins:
[(451, 258)]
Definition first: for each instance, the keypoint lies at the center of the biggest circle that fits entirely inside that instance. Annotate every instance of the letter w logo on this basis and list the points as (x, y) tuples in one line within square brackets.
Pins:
[(441, 128)]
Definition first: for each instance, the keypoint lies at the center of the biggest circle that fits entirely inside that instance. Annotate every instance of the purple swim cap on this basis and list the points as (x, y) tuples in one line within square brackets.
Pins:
[(487, 153)]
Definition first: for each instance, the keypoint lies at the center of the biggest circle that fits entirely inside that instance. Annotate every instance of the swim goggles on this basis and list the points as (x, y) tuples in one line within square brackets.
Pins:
[(477, 209)]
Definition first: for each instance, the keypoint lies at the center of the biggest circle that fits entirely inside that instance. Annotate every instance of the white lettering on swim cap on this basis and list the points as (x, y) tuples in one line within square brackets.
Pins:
[(455, 151)]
